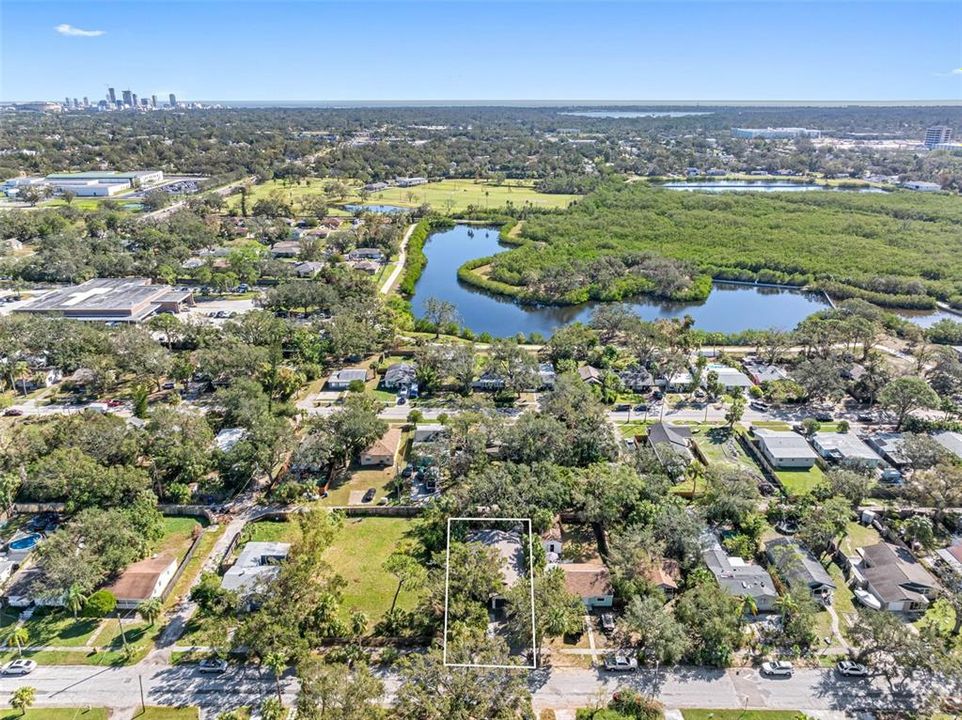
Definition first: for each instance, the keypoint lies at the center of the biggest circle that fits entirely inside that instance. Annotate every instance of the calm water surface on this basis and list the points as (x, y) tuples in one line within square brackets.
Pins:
[(730, 308)]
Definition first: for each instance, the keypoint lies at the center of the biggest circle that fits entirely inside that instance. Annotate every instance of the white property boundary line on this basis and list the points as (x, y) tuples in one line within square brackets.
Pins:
[(447, 576)]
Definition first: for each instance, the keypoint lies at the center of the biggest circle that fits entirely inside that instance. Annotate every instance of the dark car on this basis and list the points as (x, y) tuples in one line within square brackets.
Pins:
[(402, 400), (865, 417), (368, 496), (823, 416), (407, 471), (13, 412), (622, 407)]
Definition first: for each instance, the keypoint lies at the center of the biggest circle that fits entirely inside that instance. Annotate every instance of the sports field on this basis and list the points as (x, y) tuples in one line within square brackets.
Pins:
[(446, 196)]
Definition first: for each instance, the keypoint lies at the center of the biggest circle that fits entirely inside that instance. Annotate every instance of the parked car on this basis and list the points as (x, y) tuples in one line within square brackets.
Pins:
[(212, 665), (622, 407), (19, 667), (13, 412), (823, 416), (865, 418), (607, 621), (402, 400), (849, 668), (759, 405), (368, 496), (778, 668), (407, 472), (620, 662)]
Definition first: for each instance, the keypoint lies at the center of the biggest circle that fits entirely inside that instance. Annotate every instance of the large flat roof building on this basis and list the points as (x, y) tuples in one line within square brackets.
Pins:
[(129, 300), (782, 133), (937, 135)]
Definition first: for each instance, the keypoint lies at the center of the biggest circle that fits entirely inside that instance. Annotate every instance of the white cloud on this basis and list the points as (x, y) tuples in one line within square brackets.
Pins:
[(71, 31), (956, 71)]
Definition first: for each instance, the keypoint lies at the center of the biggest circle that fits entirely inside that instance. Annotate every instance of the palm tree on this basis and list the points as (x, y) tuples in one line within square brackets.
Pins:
[(150, 609), (787, 605), (19, 636), (749, 606), (23, 698), (276, 663), (74, 599)]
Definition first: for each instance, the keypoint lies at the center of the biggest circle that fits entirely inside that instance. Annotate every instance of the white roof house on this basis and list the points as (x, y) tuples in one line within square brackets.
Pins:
[(785, 449), (728, 377), (257, 565), (951, 441), (340, 379), (845, 446), (228, 438)]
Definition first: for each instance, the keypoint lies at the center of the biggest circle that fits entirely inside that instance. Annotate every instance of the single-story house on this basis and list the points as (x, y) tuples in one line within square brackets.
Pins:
[(399, 376), (341, 379), (591, 582), (590, 375), (785, 449), (845, 447), (679, 382), (952, 556), (637, 379), (889, 446), (799, 568), (367, 266), (430, 433), (951, 441), (763, 372), (547, 374), (662, 576), (895, 578), (227, 438), (510, 550), (731, 379), (376, 186), (739, 578), (670, 442), (23, 590), (489, 381), (366, 254), (286, 248), (257, 564), (551, 539), (308, 268), (384, 450), (143, 580)]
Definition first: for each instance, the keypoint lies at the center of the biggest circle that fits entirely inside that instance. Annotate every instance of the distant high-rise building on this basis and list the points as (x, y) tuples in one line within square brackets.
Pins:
[(66, 102), (133, 100), (86, 101), (128, 98), (172, 100), (937, 135), (111, 96), (76, 104), (153, 101)]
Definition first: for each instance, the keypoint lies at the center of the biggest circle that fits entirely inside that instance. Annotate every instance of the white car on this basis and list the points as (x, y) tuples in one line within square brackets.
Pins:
[(851, 669), (19, 667), (621, 663), (779, 668), (212, 665)]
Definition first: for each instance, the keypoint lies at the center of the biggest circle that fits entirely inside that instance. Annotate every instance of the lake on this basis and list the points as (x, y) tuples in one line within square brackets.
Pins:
[(760, 186), (730, 308)]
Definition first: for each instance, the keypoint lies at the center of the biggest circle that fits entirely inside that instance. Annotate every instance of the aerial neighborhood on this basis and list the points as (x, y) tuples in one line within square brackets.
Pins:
[(463, 411)]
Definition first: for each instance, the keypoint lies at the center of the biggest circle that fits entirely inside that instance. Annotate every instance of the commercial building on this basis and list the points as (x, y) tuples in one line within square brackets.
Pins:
[(111, 96), (783, 133), (172, 100), (128, 98), (128, 300), (921, 186), (410, 181), (937, 135)]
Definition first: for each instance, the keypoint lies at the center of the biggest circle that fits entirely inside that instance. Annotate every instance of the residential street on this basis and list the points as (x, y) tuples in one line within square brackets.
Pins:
[(563, 688)]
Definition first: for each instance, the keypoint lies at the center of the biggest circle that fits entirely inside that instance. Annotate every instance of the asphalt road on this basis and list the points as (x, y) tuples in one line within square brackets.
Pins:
[(563, 688)]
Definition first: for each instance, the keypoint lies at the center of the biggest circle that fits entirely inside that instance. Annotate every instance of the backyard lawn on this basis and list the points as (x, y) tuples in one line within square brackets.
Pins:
[(800, 482), (858, 535), (720, 447), (178, 535)]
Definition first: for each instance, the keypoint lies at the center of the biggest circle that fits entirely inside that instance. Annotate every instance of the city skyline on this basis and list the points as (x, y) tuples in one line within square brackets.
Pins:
[(588, 51)]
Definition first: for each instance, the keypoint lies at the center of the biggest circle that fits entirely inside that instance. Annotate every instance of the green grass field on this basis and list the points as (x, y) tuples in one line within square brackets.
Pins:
[(168, 713), (742, 714), (358, 554), (56, 714), (800, 482), (858, 535), (445, 196)]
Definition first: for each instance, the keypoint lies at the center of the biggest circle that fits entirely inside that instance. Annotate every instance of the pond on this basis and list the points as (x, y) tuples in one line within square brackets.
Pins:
[(730, 308), (718, 186)]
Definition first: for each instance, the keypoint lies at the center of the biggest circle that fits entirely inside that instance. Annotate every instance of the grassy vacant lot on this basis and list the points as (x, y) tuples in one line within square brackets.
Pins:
[(168, 713), (796, 236), (741, 714), (178, 535), (721, 447), (444, 196), (56, 714), (358, 554)]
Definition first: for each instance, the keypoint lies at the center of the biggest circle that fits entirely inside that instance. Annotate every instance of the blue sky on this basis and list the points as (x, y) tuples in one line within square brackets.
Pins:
[(436, 50)]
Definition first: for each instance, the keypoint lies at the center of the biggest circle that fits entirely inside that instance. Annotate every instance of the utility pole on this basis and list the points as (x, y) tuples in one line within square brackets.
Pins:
[(143, 705)]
